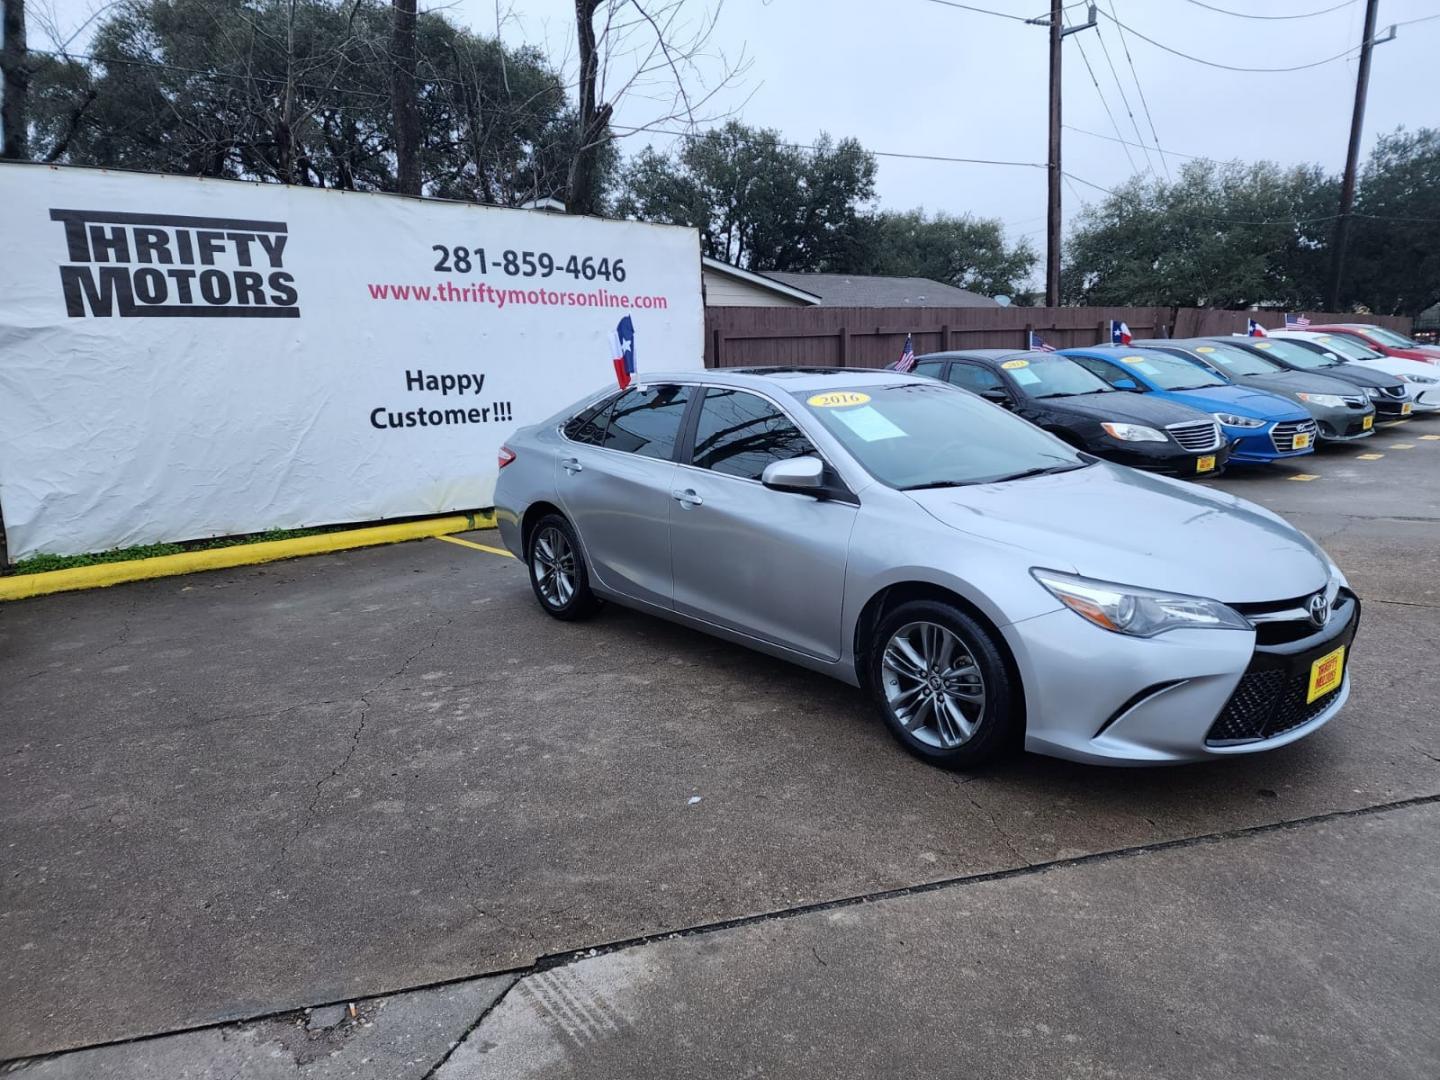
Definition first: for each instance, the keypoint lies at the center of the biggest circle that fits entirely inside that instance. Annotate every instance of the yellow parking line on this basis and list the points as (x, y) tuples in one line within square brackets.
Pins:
[(1393, 423), (1369, 457), (1304, 476), (1402, 446), (1430, 438), (477, 547)]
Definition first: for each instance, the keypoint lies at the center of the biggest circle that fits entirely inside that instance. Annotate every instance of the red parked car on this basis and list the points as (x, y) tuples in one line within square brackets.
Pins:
[(1385, 341)]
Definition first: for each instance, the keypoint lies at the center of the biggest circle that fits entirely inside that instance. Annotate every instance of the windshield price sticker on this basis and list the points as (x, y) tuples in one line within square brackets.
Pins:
[(837, 399), (1015, 365)]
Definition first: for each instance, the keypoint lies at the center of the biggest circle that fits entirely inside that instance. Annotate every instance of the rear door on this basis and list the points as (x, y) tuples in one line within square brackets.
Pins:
[(770, 564), (614, 476)]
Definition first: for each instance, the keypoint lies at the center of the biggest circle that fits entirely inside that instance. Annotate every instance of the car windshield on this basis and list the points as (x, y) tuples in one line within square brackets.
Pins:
[(1166, 371), (919, 435), (1292, 352), (1043, 375), (1390, 337), (1347, 348), (1234, 360)]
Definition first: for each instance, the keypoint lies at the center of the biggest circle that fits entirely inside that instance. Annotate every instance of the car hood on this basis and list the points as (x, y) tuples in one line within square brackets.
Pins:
[(1126, 407), (1245, 400), (1116, 524), (1301, 382), (1359, 375)]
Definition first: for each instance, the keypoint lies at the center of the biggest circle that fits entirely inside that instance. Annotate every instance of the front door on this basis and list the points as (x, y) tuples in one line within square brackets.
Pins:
[(614, 478), (770, 564)]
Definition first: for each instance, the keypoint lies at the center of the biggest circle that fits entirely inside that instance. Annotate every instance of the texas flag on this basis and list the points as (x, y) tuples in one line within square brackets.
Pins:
[(1119, 333), (1255, 329), (622, 349)]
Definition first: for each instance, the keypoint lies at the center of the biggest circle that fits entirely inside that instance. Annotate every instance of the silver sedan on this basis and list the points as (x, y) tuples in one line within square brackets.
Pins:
[(986, 584)]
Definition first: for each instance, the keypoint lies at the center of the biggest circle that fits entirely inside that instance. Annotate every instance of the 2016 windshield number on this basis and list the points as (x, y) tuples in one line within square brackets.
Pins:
[(466, 260)]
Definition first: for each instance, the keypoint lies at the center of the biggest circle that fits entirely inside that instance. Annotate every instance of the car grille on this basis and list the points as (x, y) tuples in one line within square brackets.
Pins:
[(1266, 704), (1196, 435), (1355, 402), (1394, 391), (1283, 434)]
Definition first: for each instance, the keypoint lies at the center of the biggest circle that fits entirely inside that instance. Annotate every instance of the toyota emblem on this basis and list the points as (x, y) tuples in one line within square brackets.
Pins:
[(1319, 609)]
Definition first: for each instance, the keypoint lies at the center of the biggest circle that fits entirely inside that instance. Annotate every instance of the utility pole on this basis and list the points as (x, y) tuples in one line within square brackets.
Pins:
[(1058, 32), (1352, 158), (1052, 210)]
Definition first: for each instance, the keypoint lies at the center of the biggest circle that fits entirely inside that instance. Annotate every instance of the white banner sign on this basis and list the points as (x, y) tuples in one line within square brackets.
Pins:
[(186, 358)]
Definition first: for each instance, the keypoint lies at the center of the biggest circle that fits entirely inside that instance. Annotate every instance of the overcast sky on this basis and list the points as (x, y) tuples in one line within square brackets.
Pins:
[(918, 76)]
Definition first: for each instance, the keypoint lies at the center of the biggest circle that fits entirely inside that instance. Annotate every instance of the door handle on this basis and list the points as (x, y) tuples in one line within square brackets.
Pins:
[(687, 498), (572, 466)]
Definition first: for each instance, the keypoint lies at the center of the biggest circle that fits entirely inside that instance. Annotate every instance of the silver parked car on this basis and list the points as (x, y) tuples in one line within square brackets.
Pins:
[(984, 582)]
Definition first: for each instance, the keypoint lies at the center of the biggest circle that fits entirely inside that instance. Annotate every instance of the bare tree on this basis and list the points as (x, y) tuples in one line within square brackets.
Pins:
[(14, 114), (406, 106), (646, 50)]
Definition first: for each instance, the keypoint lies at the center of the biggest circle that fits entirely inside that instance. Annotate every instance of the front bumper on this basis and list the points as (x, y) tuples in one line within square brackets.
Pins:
[(1271, 442), (1166, 458), (1347, 426), (1108, 699)]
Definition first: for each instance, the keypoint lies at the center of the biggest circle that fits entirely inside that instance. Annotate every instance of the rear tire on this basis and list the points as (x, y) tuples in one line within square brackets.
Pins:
[(557, 570), (941, 684)]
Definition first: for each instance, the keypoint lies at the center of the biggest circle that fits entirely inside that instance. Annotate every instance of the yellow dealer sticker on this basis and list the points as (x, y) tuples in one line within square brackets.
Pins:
[(837, 399), (1262, 345), (1132, 359), (1205, 348), (1015, 365), (1325, 674)]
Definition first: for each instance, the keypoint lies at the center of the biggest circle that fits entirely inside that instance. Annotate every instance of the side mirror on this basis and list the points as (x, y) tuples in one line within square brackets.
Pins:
[(803, 474), (1125, 384), (999, 397)]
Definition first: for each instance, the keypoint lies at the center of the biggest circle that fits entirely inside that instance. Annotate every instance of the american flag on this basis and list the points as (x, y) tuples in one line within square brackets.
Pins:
[(907, 358), (1254, 329), (1296, 322), (1037, 343)]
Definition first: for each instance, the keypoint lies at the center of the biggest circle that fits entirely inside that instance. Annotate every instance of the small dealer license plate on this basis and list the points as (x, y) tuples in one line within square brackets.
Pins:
[(1407, 408), (1367, 423), (1302, 441), (1325, 674), (1205, 464)]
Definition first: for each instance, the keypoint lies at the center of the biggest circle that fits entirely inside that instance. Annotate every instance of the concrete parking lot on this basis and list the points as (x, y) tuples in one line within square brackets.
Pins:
[(386, 778)]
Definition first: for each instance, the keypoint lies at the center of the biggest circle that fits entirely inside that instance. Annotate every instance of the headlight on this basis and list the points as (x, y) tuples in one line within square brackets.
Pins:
[(1372, 392), (1423, 379), (1231, 420), (1134, 433), (1124, 609), (1329, 401)]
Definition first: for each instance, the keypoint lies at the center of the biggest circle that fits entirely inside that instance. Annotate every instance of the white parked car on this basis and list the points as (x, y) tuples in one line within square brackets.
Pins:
[(1422, 379)]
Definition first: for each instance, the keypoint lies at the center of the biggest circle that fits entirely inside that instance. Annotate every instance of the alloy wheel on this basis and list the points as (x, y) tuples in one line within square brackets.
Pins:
[(933, 684), (552, 562)]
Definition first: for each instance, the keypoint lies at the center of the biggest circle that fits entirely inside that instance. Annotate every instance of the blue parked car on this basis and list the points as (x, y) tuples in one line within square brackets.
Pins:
[(1260, 426)]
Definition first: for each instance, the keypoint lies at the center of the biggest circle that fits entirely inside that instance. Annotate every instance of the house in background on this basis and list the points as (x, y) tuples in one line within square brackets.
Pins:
[(860, 290), (725, 285)]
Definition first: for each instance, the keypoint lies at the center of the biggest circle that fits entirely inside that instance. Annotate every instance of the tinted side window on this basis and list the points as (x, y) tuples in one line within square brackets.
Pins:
[(647, 422), (740, 433), (975, 378), (588, 426), (1104, 370), (932, 368)]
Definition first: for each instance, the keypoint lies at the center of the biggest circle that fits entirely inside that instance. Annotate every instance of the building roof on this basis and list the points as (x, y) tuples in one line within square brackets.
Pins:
[(859, 290), (769, 282)]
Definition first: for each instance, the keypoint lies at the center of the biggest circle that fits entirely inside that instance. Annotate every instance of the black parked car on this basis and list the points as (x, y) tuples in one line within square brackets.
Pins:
[(1342, 411), (1385, 390), (1057, 394)]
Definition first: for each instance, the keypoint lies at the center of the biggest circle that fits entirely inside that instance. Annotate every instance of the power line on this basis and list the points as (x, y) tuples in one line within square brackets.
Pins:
[(1273, 18), (979, 10), (1098, 93), (1125, 100), (1163, 153), (1141, 91), (1232, 67)]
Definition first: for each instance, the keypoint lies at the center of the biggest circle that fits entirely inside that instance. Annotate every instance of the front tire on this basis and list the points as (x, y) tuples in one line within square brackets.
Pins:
[(940, 682), (557, 570)]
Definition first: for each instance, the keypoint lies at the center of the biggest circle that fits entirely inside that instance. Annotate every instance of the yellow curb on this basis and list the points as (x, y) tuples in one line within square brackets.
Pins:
[(20, 586)]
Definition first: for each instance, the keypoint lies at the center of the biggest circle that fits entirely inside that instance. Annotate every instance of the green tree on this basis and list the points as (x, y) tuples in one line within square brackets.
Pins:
[(1218, 236), (298, 91), (1393, 263), (968, 252), (757, 201)]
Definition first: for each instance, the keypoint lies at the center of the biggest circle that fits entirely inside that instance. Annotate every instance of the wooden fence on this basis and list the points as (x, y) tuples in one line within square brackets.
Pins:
[(874, 337)]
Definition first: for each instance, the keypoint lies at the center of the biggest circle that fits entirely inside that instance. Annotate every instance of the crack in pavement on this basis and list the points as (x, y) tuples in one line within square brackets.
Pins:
[(1001, 833), (555, 960)]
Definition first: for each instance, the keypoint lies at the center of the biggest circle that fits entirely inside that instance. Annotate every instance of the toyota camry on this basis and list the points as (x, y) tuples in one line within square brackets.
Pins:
[(985, 583)]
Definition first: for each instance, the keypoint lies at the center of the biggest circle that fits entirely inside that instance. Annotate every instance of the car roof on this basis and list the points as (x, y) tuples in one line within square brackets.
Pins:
[(989, 355), (786, 379)]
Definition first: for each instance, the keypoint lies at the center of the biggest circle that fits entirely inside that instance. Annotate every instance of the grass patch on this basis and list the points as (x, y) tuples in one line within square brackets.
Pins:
[(40, 564)]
